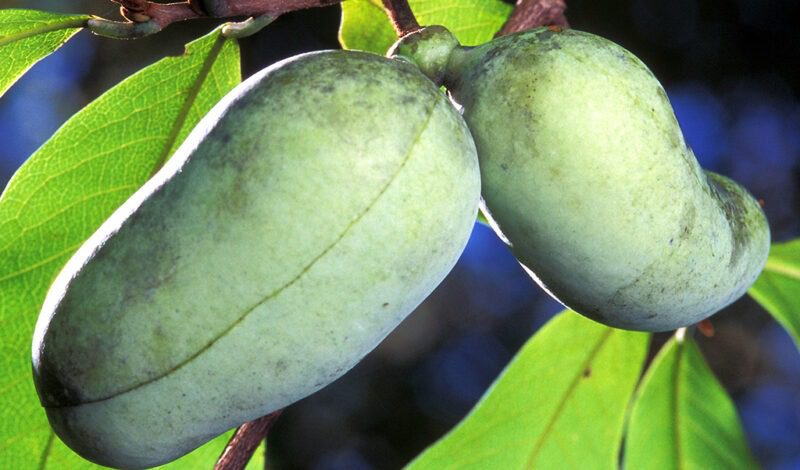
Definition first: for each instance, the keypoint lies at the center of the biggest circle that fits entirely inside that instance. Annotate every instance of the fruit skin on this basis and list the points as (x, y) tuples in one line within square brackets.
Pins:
[(304, 218), (587, 176)]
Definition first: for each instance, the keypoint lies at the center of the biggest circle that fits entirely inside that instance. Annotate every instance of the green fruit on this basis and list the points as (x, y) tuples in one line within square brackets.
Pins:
[(304, 218), (587, 176)]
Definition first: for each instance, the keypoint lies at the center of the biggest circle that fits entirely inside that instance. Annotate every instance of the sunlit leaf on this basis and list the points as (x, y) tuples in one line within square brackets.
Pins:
[(28, 36), (365, 25), (682, 418), (559, 404), (65, 191), (778, 288)]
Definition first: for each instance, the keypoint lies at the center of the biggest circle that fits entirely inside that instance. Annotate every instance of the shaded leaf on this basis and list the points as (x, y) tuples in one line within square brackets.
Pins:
[(28, 36), (65, 191), (365, 25), (682, 418), (778, 287), (559, 404)]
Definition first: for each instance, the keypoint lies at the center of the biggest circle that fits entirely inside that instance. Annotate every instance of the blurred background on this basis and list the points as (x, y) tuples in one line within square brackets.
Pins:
[(732, 71)]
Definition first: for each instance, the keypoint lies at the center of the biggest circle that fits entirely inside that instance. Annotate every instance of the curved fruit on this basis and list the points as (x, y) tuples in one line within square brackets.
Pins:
[(586, 174), (302, 220)]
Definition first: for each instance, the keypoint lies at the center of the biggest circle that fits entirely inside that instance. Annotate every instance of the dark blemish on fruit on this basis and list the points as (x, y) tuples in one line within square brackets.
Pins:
[(551, 44), (732, 202), (385, 304), (587, 372), (504, 166), (490, 55), (687, 221), (544, 33)]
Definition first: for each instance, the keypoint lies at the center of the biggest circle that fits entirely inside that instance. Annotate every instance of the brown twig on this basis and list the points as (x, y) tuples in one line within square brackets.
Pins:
[(244, 443), (274, 8), (146, 17), (529, 14), (163, 14), (402, 17)]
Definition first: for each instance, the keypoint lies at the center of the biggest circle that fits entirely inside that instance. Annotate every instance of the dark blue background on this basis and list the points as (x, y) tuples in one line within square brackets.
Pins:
[(732, 71)]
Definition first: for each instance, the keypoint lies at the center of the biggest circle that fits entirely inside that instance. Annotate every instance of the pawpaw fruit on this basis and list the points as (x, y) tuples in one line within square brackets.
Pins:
[(588, 178), (307, 214)]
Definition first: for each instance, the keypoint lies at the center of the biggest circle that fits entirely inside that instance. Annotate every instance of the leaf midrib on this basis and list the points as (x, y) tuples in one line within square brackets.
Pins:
[(777, 266), (66, 23), (191, 97), (570, 391), (46, 451), (676, 382)]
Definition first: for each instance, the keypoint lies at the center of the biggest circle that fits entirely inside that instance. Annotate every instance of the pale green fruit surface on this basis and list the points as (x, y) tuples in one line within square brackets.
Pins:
[(304, 218), (586, 174)]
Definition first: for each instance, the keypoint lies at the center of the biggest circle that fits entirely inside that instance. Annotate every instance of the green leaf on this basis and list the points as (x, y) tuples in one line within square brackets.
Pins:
[(559, 404), (257, 462), (481, 219), (28, 36), (682, 418), (778, 288), (66, 190), (365, 25)]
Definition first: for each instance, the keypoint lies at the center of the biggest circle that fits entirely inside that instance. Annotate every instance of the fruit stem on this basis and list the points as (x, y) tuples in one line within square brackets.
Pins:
[(247, 27), (529, 14), (144, 18), (402, 17), (244, 442)]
